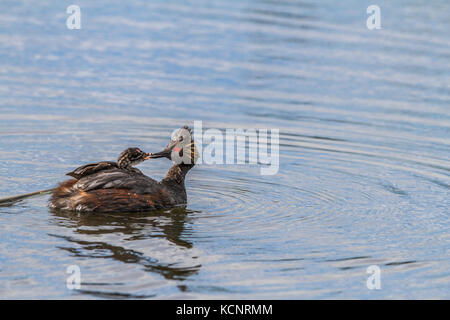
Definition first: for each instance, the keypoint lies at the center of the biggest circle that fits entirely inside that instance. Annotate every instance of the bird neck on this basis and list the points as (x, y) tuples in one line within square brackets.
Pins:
[(123, 163), (177, 173)]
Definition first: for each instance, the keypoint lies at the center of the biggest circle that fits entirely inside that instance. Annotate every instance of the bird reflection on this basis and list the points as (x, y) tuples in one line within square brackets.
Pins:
[(90, 233)]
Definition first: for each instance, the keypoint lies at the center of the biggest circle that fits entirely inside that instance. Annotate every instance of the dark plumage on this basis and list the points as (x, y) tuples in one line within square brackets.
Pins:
[(110, 186)]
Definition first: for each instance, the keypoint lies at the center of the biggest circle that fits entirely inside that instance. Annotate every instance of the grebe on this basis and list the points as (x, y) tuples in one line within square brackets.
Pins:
[(107, 187)]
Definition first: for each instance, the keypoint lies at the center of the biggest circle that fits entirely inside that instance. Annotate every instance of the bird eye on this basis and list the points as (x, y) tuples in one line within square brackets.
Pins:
[(180, 138)]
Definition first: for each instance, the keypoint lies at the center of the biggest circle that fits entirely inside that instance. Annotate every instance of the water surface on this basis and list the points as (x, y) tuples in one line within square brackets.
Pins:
[(364, 119)]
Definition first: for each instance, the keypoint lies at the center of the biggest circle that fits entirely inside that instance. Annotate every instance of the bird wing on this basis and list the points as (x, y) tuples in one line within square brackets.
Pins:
[(118, 179), (91, 168)]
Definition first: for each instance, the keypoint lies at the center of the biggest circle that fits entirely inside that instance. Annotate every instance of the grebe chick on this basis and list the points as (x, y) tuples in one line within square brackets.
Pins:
[(126, 161)]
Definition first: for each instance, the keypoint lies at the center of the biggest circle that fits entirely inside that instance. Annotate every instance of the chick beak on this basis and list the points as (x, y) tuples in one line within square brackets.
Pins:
[(147, 156)]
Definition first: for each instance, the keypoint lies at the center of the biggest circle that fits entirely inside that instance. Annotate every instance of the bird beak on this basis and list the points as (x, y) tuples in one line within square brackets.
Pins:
[(162, 154), (147, 156)]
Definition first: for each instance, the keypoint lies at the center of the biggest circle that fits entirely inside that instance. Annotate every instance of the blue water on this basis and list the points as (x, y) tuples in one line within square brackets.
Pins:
[(364, 174)]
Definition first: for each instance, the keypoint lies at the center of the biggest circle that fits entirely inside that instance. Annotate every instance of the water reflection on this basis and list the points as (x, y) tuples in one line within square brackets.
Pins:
[(129, 239)]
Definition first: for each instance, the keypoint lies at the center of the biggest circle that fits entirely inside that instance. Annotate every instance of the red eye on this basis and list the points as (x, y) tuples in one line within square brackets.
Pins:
[(176, 149)]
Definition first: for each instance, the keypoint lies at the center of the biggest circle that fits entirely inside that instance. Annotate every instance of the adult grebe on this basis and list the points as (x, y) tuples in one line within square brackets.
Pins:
[(109, 188)]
